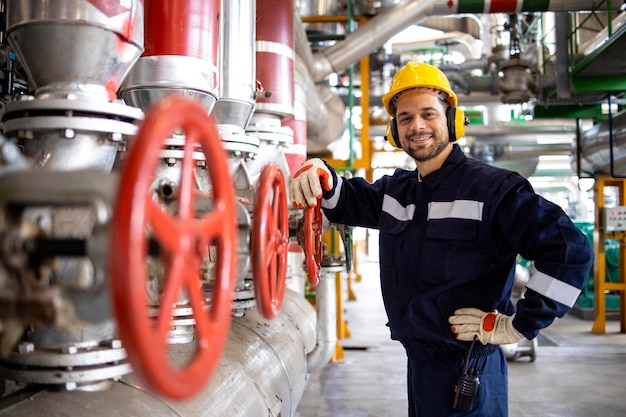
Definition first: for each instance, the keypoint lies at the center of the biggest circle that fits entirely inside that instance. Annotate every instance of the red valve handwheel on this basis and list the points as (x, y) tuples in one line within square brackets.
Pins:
[(270, 241), (183, 240), (313, 242)]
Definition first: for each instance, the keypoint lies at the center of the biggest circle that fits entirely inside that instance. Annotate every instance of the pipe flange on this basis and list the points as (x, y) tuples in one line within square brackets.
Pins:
[(71, 367), (70, 118), (70, 106), (181, 326), (237, 142), (272, 135)]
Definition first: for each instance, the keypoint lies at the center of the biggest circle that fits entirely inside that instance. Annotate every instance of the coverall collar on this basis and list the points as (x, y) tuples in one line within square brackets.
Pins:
[(455, 158)]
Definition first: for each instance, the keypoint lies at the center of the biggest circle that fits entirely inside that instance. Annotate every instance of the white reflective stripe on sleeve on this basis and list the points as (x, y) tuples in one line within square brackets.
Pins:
[(554, 289), (331, 203), (458, 209), (392, 207)]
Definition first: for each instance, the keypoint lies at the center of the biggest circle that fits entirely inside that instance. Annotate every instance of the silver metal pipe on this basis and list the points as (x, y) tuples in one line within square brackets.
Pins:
[(262, 372), (527, 150), (596, 147), (326, 305), (372, 34), (405, 13), (237, 62)]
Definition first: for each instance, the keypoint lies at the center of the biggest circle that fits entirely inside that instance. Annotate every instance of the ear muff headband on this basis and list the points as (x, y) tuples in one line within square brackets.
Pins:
[(456, 126)]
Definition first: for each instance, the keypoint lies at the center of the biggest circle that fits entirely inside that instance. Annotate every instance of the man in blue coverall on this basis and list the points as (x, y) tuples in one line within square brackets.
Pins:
[(450, 233)]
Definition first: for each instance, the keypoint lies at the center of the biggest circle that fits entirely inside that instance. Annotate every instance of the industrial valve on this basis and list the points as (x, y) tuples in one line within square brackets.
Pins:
[(270, 241), (185, 243)]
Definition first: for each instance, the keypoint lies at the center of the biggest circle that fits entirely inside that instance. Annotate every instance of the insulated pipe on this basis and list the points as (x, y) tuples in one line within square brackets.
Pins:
[(181, 52), (326, 305), (303, 97), (275, 56), (262, 373), (596, 144), (315, 112), (237, 63), (391, 21), (182, 27)]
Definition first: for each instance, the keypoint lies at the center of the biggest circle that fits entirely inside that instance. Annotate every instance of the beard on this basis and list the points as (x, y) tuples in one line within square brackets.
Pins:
[(427, 151)]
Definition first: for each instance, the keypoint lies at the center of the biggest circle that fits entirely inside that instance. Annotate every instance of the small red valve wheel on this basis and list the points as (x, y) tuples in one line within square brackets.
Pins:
[(270, 241), (313, 242), (184, 241)]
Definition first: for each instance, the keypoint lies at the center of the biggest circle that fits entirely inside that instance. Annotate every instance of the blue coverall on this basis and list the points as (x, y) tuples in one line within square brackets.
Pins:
[(450, 240)]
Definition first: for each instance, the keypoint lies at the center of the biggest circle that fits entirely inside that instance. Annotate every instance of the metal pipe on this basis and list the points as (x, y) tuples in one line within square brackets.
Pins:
[(405, 13), (237, 59), (326, 305), (371, 35), (262, 372), (275, 56), (603, 147), (181, 54)]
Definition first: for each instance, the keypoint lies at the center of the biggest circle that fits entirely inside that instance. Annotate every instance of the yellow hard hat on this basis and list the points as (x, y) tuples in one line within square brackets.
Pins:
[(417, 74)]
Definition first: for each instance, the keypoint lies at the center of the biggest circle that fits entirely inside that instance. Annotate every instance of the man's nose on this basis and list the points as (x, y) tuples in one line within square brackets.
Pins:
[(419, 123)]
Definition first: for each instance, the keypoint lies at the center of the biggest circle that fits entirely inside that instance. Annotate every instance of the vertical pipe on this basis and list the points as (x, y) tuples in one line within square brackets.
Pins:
[(237, 63), (275, 56), (326, 307), (180, 53), (182, 27)]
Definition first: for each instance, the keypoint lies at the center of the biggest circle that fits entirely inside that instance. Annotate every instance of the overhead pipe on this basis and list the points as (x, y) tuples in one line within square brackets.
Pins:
[(391, 21), (603, 147), (376, 31)]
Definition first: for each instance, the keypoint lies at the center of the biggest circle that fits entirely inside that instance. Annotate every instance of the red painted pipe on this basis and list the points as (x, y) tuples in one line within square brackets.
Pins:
[(182, 27), (275, 57)]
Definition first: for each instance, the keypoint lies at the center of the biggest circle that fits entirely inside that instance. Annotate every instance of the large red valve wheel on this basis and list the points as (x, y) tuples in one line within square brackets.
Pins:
[(270, 241), (184, 241), (313, 242)]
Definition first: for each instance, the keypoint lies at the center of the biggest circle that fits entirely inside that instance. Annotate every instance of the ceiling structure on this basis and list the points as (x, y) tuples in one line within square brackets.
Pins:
[(554, 64)]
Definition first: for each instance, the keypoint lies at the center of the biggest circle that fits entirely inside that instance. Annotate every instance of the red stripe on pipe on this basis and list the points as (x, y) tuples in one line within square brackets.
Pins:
[(182, 27), (503, 6)]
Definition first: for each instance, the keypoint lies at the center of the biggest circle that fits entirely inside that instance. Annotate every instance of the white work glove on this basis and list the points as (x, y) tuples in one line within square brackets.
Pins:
[(489, 327), (306, 186)]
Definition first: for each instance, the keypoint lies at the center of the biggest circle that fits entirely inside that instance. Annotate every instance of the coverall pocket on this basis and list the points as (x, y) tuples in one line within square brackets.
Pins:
[(451, 246), (394, 261)]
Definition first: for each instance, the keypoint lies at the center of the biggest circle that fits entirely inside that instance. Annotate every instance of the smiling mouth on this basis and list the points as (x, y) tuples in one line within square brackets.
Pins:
[(421, 138)]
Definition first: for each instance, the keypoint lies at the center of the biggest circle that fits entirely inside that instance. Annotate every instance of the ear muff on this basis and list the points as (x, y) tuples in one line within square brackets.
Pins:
[(392, 133), (456, 123)]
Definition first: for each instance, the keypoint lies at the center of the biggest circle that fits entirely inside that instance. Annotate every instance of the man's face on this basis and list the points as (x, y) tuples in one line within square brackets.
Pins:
[(422, 125)]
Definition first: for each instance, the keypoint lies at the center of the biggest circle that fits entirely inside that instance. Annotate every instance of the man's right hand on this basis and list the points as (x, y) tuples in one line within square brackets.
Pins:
[(306, 185)]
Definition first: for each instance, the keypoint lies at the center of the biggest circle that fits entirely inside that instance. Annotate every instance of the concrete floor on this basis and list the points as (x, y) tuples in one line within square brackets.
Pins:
[(575, 374)]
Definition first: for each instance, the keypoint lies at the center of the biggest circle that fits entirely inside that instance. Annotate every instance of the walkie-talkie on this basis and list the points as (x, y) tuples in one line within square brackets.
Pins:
[(466, 387)]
